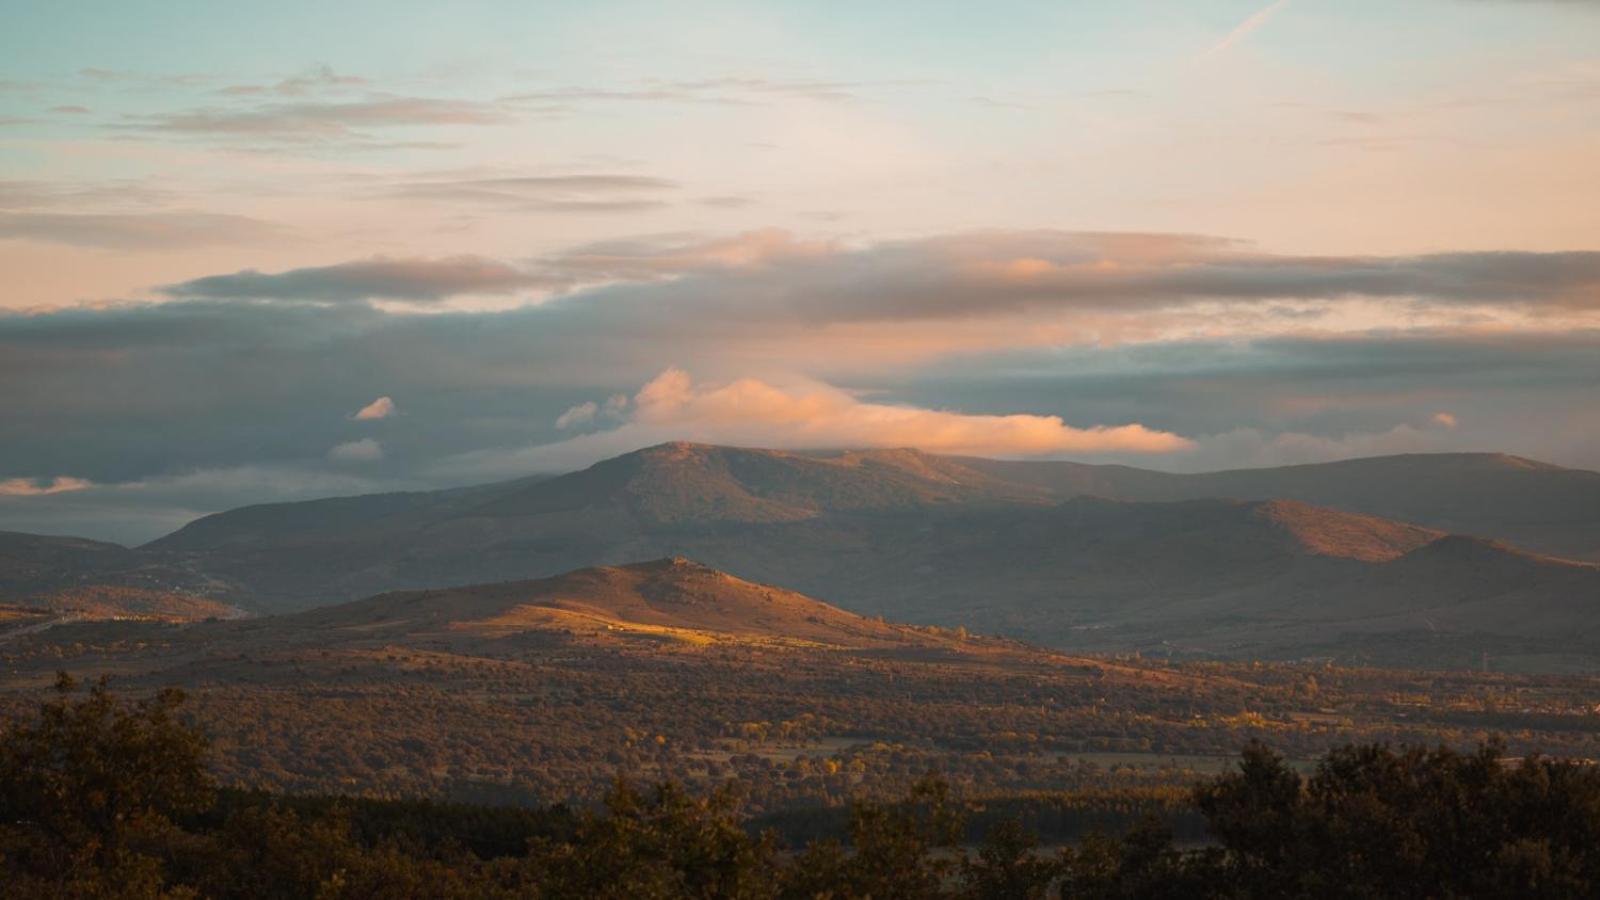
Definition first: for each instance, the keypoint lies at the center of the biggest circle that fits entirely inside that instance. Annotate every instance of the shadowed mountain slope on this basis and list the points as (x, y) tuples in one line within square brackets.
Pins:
[(68, 576), (30, 563), (1545, 508)]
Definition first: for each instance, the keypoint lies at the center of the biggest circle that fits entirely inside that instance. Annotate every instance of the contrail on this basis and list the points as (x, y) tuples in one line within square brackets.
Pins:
[(1243, 29)]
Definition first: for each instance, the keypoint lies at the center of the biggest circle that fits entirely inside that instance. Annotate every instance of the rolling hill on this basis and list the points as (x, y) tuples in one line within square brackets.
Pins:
[(673, 599), (31, 563), (543, 690), (52, 577)]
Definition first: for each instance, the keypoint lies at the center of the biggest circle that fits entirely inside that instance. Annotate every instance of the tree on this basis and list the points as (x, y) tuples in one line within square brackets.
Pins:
[(89, 790), (661, 844), (892, 850), (1009, 866)]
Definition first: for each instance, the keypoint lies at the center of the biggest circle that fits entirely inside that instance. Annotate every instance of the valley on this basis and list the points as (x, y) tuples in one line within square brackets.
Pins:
[(541, 691)]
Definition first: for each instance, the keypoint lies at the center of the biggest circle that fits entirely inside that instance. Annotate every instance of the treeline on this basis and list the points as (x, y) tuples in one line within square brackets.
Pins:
[(1053, 817), (101, 798)]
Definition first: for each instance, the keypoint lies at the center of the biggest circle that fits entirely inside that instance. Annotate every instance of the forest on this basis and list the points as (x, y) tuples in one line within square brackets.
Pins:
[(102, 796), (541, 718)]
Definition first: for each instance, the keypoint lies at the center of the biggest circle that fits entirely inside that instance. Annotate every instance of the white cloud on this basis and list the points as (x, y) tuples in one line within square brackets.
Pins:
[(364, 450), (582, 414), (1250, 447), (1245, 28)]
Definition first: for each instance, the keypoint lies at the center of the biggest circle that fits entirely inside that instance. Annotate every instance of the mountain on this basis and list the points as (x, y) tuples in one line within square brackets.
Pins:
[(637, 506), (672, 599), (109, 601), (1451, 603), (52, 577), (1545, 508), (1081, 557), (1218, 578), (31, 563), (669, 484)]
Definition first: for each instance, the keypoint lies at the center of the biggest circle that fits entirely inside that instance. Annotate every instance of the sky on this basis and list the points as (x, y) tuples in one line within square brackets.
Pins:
[(267, 252)]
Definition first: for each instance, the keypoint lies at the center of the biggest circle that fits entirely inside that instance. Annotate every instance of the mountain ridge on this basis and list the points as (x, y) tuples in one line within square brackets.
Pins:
[(949, 542), (671, 598)]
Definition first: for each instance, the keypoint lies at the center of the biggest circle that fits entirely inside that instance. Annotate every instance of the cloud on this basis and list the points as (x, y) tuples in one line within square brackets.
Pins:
[(662, 256), (1445, 420), (1248, 447), (127, 392), (93, 73), (322, 120), (315, 80), (986, 273), (135, 231), (364, 450), (582, 414), (381, 408), (724, 91), (546, 193), (1247, 27), (726, 201), (133, 512), (109, 196), (770, 276), (414, 280), (806, 414), (27, 487)]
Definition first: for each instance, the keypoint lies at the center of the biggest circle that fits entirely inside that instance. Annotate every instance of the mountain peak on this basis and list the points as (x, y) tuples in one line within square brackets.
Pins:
[(677, 449), (1327, 532), (671, 567), (683, 483), (672, 598)]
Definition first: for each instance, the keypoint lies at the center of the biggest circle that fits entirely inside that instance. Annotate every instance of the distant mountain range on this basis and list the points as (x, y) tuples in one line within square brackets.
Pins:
[(1364, 560), (48, 578), (1544, 508)]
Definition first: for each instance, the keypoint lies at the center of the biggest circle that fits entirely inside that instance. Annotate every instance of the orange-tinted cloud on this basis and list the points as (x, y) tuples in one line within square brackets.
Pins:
[(27, 487), (381, 408), (808, 414)]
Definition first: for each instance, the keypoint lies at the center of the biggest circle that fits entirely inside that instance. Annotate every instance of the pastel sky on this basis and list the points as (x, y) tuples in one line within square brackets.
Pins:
[(258, 252)]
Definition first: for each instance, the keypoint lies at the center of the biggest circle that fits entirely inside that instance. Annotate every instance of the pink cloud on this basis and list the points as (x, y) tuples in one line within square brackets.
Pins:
[(27, 487), (801, 414), (381, 408)]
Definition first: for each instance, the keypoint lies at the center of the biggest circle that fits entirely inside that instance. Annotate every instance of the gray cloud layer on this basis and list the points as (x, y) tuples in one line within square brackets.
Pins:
[(307, 120), (985, 273), (769, 276), (418, 280)]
